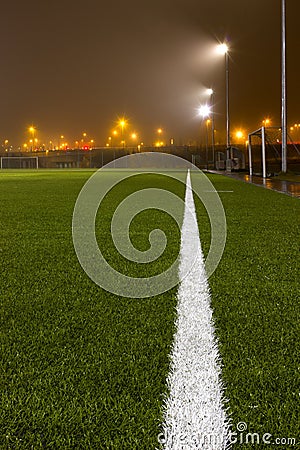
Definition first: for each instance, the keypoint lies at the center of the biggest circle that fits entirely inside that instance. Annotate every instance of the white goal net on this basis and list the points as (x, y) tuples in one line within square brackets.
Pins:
[(265, 151), (19, 162)]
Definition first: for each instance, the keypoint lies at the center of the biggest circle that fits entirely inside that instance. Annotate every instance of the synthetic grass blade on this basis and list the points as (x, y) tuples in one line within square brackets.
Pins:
[(195, 416)]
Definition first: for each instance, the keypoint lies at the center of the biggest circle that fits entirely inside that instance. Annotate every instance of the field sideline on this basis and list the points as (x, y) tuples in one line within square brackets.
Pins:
[(85, 369)]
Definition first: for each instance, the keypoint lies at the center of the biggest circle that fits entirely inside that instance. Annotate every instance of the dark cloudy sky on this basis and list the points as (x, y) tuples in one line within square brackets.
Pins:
[(74, 66)]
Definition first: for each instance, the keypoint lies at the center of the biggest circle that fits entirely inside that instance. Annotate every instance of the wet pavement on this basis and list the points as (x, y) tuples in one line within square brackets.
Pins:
[(286, 187)]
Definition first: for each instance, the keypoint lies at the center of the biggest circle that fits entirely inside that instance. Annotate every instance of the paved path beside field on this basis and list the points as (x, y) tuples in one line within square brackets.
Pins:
[(287, 187)]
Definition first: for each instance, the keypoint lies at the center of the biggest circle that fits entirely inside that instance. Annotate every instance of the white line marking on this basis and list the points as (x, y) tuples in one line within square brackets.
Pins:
[(195, 416)]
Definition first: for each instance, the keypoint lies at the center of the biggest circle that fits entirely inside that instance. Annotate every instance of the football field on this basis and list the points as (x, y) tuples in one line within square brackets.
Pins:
[(83, 368)]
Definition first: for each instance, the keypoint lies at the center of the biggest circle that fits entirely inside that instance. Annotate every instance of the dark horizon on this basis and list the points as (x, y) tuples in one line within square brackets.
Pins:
[(73, 68)]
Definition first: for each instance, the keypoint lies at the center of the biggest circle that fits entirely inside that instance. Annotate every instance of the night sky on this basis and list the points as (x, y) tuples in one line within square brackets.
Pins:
[(72, 67)]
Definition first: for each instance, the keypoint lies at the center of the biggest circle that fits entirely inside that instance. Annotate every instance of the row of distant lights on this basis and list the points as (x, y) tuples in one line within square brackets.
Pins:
[(83, 142), (239, 134), (62, 145), (122, 123)]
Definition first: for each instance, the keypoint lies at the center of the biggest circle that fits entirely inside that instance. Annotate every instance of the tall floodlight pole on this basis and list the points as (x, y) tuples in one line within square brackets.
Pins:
[(223, 50), (205, 112), (210, 92), (227, 101), (283, 90)]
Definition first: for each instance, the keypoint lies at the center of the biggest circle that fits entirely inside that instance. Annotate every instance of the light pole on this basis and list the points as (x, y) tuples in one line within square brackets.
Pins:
[(210, 92), (205, 112), (32, 131), (122, 124), (283, 89), (207, 122), (159, 142), (223, 50)]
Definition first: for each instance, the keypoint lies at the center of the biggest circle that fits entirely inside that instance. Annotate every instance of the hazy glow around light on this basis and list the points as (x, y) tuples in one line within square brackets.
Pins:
[(209, 91), (266, 122), (204, 111), (122, 123), (222, 49), (239, 134)]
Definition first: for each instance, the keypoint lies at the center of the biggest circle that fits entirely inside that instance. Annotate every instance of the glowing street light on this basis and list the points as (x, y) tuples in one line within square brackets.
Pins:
[(122, 124), (266, 122), (32, 130), (222, 49), (204, 111), (239, 134)]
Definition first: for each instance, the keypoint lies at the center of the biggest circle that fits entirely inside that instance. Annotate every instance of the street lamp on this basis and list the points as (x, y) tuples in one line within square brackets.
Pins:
[(223, 50), (113, 140), (205, 112), (210, 92), (122, 124), (239, 134), (32, 132), (160, 142), (266, 122)]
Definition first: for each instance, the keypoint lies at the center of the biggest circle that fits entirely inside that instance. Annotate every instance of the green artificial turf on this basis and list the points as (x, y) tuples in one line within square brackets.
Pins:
[(255, 297), (85, 369), (80, 368)]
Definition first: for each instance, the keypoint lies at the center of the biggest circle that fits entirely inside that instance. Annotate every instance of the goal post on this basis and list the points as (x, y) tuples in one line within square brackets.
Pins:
[(267, 139), (19, 162)]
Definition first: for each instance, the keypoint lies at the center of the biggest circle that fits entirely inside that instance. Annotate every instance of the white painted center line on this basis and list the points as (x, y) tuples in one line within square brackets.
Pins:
[(195, 416)]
